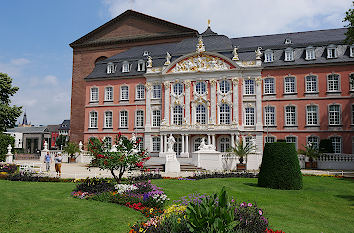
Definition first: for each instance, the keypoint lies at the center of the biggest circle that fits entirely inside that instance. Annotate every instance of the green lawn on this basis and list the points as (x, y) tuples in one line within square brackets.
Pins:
[(324, 205)]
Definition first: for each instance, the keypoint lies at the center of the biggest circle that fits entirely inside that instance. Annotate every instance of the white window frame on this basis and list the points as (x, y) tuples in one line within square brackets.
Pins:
[(200, 88), (126, 67), (224, 86), (109, 141), (289, 54), (156, 144), (351, 84), (250, 116), (288, 141), (177, 115), (290, 117), (93, 120), (108, 95), (123, 120), (269, 86), (156, 118), (224, 116), (224, 144), (288, 86), (269, 117), (334, 117), (270, 139), (177, 89), (249, 86), (139, 118), (108, 120), (124, 93), (310, 53), (307, 82), (337, 148), (201, 114), (111, 68), (316, 140), (156, 91), (312, 115), (332, 51), (268, 56), (140, 141), (333, 85), (140, 92), (141, 65), (94, 96)]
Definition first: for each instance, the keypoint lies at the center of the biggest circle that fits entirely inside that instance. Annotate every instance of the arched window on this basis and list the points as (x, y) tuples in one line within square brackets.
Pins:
[(224, 144), (124, 93), (111, 68), (94, 94), (108, 118), (140, 92), (200, 88), (108, 94), (100, 59), (126, 67), (224, 86), (93, 120), (123, 119), (201, 114), (141, 65), (225, 114), (178, 88), (139, 118), (177, 115)]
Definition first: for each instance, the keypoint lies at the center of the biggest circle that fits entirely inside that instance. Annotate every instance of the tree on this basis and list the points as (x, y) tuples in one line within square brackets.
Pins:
[(125, 155), (61, 141), (242, 150), (349, 19), (311, 150), (8, 114), (71, 149)]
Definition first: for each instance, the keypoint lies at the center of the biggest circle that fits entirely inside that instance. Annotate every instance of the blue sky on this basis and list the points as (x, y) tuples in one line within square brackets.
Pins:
[(35, 36)]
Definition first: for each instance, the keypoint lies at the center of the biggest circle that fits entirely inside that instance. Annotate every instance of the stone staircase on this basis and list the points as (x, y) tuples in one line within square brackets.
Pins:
[(184, 167)]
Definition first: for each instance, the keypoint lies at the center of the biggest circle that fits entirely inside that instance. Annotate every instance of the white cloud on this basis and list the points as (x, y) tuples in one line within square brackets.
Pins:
[(20, 61), (240, 18), (51, 79)]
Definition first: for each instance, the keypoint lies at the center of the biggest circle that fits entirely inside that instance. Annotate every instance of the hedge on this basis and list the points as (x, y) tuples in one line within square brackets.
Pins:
[(280, 167)]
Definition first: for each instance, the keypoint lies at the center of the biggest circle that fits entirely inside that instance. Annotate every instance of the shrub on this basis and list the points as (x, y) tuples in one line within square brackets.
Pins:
[(250, 218), (326, 146), (95, 185), (8, 168), (204, 175), (5, 140), (280, 167)]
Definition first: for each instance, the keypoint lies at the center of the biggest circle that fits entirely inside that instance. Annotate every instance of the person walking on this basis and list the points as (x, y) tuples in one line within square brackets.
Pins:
[(58, 159), (47, 160)]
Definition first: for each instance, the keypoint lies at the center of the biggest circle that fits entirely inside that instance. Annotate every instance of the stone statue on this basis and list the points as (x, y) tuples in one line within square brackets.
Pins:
[(133, 138), (170, 142), (149, 62), (258, 53), (200, 45), (202, 144), (204, 147), (168, 59), (235, 57)]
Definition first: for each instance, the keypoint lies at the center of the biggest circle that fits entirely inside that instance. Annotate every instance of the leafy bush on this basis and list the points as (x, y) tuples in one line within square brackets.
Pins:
[(31, 177), (250, 218), (280, 167), (8, 168), (95, 185), (5, 140), (326, 146)]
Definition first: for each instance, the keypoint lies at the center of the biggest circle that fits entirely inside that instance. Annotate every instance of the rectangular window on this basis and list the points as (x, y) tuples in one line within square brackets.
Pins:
[(333, 82), (108, 95), (311, 84), (289, 83), (269, 115), (268, 56), (140, 141), (289, 55), (331, 53), (311, 115), (334, 115), (310, 54), (156, 118), (313, 140), (139, 118), (93, 119), (351, 82), (124, 93), (156, 93), (141, 66), (125, 67), (249, 114), (337, 144), (156, 144), (123, 119), (249, 87), (140, 92), (291, 139), (290, 116), (108, 118), (108, 142), (94, 94), (269, 86), (269, 139)]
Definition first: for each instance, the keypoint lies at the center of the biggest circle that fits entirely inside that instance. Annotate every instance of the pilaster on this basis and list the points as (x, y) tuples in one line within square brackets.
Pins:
[(213, 101), (259, 125), (187, 85), (167, 102)]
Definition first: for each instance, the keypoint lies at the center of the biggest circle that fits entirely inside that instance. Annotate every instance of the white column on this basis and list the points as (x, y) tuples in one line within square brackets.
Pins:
[(187, 143), (167, 102), (259, 125), (213, 101), (161, 143), (209, 139), (148, 107), (235, 100), (232, 140), (187, 85), (165, 142), (213, 139), (182, 143)]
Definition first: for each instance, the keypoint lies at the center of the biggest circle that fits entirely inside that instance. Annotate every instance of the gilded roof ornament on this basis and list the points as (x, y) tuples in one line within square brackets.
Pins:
[(200, 45), (168, 59), (149, 62)]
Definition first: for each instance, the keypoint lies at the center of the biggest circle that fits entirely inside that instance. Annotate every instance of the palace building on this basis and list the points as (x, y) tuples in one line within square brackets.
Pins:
[(145, 76)]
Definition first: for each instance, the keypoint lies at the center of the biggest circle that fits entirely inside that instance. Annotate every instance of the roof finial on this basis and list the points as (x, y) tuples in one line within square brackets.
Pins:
[(208, 23)]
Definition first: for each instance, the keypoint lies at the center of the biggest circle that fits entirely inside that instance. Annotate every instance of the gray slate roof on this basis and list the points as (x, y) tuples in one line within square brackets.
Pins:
[(222, 44), (33, 129), (65, 125)]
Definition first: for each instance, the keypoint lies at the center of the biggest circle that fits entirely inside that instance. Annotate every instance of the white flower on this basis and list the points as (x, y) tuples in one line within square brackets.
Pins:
[(122, 188)]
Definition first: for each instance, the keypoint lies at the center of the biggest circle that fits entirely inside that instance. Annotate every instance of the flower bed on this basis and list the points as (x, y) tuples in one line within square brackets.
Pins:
[(7, 168)]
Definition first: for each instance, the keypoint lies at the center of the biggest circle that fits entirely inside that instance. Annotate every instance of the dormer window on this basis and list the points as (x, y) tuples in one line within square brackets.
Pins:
[(351, 51), (287, 41), (146, 53), (268, 56), (289, 54), (331, 51), (126, 67), (111, 69), (141, 65), (310, 53)]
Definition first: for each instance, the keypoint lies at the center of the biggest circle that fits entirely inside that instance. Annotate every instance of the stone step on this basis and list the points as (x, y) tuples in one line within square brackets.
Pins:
[(184, 167)]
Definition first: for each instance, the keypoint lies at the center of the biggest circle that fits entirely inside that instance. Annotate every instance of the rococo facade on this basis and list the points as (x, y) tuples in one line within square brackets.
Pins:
[(293, 86)]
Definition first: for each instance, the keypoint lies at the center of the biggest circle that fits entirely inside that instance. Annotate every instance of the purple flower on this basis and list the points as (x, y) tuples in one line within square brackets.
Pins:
[(249, 204), (260, 212)]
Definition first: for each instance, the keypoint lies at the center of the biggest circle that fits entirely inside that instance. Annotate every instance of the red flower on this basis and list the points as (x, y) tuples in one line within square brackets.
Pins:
[(105, 162), (100, 156)]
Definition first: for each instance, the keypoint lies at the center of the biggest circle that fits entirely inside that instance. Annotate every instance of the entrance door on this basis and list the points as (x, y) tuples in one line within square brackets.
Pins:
[(177, 147)]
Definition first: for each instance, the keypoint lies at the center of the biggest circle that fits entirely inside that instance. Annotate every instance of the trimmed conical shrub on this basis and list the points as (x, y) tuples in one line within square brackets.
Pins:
[(280, 167)]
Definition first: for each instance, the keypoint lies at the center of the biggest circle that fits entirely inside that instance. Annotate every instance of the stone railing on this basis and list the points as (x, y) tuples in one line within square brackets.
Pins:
[(253, 161), (331, 161)]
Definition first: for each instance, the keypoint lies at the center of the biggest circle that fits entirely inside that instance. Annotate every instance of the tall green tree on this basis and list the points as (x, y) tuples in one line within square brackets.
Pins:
[(8, 114), (349, 19)]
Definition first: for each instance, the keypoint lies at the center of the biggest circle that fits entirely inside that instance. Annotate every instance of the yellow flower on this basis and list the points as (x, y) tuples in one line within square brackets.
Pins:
[(151, 210), (141, 229), (185, 216), (178, 220)]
